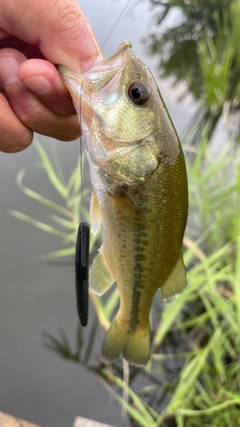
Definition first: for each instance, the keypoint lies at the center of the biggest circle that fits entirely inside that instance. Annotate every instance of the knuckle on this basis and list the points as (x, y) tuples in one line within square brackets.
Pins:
[(68, 17), (73, 23)]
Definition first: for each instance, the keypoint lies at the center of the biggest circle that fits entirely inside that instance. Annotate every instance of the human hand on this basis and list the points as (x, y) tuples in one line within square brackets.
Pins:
[(34, 35)]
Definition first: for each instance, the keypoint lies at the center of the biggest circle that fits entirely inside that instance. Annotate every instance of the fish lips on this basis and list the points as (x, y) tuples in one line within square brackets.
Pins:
[(98, 76)]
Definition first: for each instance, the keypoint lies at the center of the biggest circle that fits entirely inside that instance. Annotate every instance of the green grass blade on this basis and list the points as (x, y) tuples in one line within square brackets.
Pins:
[(61, 253), (41, 225), (74, 182), (69, 225), (38, 197), (140, 414), (53, 177)]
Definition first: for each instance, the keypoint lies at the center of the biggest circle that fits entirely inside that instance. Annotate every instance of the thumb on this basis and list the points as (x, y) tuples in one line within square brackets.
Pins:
[(58, 27)]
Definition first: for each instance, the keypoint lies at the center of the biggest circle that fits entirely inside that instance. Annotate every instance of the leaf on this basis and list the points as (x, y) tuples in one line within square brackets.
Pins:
[(141, 415), (61, 253), (69, 225), (38, 197), (188, 377), (74, 182), (61, 346), (51, 173), (98, 304), (41, 225)]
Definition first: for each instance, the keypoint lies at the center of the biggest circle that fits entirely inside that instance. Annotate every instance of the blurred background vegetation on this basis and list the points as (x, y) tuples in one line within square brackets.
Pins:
[(202, 51), (193, 377)]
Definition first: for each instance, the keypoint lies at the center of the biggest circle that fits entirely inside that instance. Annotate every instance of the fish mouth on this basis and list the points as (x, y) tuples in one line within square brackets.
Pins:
[(98, 76), (123, 46)]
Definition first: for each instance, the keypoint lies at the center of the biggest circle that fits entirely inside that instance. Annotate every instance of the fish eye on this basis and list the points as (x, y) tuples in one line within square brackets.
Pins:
[(139, 93)]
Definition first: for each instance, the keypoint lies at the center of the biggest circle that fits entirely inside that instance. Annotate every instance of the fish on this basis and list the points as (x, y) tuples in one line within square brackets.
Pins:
[(139, 194)]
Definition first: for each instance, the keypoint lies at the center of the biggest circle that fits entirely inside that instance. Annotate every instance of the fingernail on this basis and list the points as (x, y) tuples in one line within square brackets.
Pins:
[(8, 70), (38, 84)]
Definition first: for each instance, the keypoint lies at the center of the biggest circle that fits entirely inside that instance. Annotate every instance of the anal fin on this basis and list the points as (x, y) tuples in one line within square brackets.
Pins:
[(100, 277), (176, 281)]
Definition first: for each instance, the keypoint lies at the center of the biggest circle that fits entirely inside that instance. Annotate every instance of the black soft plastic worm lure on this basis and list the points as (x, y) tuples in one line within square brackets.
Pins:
[(81, 266)]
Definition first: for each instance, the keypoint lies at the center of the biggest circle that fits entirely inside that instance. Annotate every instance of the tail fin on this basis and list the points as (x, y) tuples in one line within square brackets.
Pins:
[(134, 346)]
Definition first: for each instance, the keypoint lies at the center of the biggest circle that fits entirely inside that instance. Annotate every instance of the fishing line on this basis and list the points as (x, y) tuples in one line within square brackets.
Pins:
[(81, 165), (114, 26), (83, 234), (82, 246)]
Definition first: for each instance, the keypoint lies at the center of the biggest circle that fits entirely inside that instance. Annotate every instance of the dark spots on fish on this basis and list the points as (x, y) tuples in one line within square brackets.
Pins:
[(138, 240), (139, 269), (137, 276), (140, 250), (139, 258), (134, 313), (142, 245)]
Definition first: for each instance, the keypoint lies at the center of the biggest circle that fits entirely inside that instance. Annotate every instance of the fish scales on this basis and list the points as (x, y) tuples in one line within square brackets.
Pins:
[(140, 196), (147, 239)]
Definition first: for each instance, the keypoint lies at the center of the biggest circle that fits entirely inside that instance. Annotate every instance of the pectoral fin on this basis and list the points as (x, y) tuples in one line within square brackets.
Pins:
[(95, 214), (100, 277), (176, 281)]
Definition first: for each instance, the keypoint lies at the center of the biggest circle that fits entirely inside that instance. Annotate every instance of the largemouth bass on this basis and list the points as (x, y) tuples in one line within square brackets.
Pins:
[(139, 198)]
